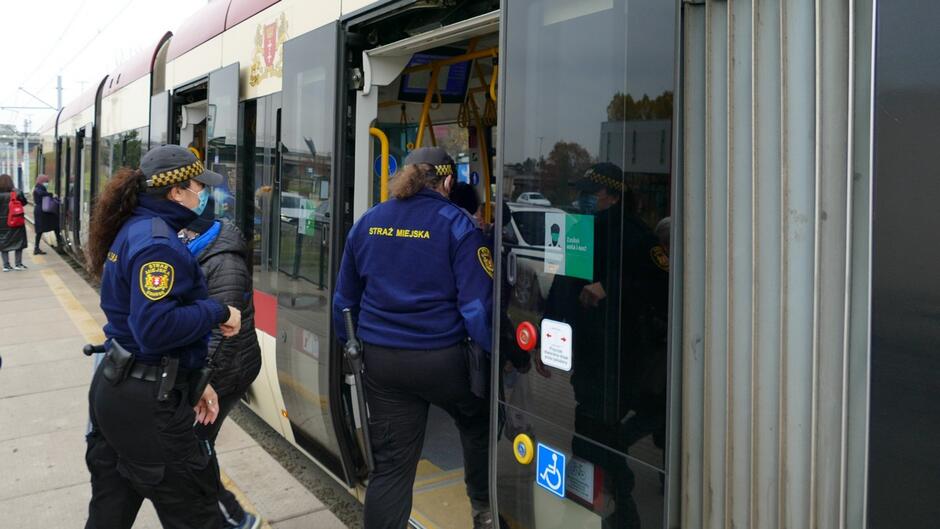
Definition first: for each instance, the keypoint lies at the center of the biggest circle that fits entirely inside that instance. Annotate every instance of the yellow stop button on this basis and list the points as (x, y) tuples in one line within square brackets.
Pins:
[(523, 448)]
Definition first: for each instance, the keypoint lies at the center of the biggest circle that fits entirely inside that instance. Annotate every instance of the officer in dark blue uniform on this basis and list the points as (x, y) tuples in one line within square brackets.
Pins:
[(417, 276), (142, 443)]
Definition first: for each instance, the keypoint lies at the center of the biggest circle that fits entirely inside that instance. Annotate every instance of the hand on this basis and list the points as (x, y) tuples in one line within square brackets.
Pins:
[(234, 324), (207, 409), (592, 294)]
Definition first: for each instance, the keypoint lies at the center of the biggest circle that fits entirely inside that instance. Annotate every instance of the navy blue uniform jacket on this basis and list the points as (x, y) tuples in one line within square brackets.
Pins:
[(152, 290), (417, 274)]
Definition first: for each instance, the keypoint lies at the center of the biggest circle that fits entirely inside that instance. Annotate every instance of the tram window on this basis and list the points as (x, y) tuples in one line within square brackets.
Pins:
[(222, 138), (133, 145), (531, 225), (580, 78)]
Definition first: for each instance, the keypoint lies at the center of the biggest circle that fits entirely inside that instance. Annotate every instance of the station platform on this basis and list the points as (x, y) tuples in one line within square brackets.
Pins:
[(47, 314)]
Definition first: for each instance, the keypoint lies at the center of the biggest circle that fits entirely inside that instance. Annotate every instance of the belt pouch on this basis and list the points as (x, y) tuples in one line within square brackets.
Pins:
[(171, 367), (117, 363), (197, 384)]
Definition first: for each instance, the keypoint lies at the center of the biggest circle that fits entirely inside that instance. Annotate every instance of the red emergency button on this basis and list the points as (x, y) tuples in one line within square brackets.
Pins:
[(526, 336)]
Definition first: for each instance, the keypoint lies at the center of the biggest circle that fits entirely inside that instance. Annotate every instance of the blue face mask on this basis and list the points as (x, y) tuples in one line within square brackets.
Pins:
[(587, 203), (203, 200)]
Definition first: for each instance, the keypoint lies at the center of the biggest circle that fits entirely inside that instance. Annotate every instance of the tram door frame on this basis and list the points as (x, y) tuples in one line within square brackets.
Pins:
[(73, 187)]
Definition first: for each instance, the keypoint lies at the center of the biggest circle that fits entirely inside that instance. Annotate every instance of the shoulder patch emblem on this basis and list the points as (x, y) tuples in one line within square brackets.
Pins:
[(156, 280), (486, 260), (660, 259)]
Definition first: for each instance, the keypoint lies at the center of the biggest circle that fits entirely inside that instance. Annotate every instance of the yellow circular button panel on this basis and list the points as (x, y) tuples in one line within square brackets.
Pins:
[(523, 448)]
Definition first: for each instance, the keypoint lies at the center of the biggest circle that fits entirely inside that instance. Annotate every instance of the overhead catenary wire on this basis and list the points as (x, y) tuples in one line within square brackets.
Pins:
[(55, 45)]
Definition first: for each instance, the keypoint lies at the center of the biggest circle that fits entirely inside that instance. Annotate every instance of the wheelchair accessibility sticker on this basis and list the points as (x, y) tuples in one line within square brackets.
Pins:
[(550, 470)]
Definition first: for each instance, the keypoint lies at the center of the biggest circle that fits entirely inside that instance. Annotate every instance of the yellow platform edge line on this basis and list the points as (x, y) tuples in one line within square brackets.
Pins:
[(83, 321), (91, 331), (242, 498)]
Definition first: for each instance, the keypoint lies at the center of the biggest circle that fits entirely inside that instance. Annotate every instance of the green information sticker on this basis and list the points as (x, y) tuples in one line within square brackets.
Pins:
[(569, 245)]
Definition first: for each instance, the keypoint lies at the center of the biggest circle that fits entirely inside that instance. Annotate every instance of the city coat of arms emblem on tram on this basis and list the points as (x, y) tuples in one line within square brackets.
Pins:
[(268, 60)]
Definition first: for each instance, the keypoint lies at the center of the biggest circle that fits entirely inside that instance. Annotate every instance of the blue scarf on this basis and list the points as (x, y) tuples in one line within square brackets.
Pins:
[(199, 244)]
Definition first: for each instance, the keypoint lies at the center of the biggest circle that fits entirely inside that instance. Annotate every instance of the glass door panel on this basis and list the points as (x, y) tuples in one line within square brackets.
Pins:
[(159, 119), (222, 136), (586, 184), (303, 284)]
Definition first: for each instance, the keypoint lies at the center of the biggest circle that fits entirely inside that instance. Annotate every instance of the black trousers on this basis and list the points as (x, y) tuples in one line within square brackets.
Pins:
[(58, 240), (400, 386), (140, 448), (232, 511), (17, 254)]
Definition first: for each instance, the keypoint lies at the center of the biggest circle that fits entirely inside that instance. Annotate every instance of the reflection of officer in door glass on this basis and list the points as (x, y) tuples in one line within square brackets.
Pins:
[(618, 319)]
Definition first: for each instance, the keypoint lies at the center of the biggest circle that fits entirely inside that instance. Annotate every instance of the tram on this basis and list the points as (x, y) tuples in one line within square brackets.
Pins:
[(751, 387)]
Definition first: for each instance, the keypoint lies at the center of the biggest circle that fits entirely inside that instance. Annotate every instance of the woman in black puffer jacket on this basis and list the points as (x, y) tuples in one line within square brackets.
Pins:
[(222, 254)]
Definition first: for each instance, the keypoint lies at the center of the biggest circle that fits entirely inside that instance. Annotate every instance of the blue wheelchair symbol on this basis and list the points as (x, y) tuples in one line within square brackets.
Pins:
[(550, 470)]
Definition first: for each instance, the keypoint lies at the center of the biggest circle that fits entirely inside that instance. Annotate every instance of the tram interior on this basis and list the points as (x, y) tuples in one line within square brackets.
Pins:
[(190, 111), (460, 116)]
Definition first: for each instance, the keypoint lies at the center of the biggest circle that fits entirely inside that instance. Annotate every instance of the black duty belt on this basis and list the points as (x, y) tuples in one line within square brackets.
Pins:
[(151, 373), (145, 372)]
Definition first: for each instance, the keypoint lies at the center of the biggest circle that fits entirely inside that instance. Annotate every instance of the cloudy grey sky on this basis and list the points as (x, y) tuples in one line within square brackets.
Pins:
[(83, 40)]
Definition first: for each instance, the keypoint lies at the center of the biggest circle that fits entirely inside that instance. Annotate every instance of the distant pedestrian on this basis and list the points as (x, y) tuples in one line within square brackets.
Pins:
[(12, 224), (47, 218), (223, 256)]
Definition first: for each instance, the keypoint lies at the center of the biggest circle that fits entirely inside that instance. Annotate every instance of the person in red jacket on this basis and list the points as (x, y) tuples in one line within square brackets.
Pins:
[(12, 238)]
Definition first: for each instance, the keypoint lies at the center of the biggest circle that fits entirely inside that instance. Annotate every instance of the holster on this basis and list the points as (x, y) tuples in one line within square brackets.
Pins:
[(117, 363), (478, 364), (198, 380)]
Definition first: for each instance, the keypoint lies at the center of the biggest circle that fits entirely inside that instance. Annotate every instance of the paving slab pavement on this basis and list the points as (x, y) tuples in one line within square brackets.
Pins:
[(46, 314)]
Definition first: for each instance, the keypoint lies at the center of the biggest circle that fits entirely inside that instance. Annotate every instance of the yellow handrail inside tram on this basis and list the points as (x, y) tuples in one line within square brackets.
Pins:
[(426, 108), (493, 81), (383, 141)]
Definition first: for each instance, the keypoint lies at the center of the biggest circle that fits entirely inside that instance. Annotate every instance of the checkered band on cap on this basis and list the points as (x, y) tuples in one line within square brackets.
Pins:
[(603, 180), (176, 176), (444, 169)]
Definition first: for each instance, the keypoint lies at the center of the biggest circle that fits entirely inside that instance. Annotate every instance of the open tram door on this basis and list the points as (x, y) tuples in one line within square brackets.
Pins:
[(587, 437), (423, 76), (78, 186), (311, 217), (203, 115)]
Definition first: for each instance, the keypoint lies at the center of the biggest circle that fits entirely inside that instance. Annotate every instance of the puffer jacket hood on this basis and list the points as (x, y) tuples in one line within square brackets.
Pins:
[(225, 263)]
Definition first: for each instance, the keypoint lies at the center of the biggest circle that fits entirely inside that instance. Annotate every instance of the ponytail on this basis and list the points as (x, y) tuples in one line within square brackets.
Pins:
[(413, 178), (112, 209)]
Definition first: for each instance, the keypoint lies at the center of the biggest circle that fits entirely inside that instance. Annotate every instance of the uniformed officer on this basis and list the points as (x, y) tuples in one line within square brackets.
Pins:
[(417, 275), (142, 443)]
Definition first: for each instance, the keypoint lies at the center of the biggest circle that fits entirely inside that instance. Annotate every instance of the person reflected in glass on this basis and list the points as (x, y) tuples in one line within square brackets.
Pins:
[(618, 318)]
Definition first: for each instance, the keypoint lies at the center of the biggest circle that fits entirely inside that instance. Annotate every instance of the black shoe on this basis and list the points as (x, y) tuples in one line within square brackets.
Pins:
[(20, 267), (39, 252), (483, 520), (7, 268)]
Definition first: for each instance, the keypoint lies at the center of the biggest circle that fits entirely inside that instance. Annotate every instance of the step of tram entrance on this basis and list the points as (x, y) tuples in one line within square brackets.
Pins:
[(47, 313)]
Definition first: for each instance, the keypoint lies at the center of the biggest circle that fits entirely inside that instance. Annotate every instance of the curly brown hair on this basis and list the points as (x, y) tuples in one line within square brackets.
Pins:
[(115, 205)]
